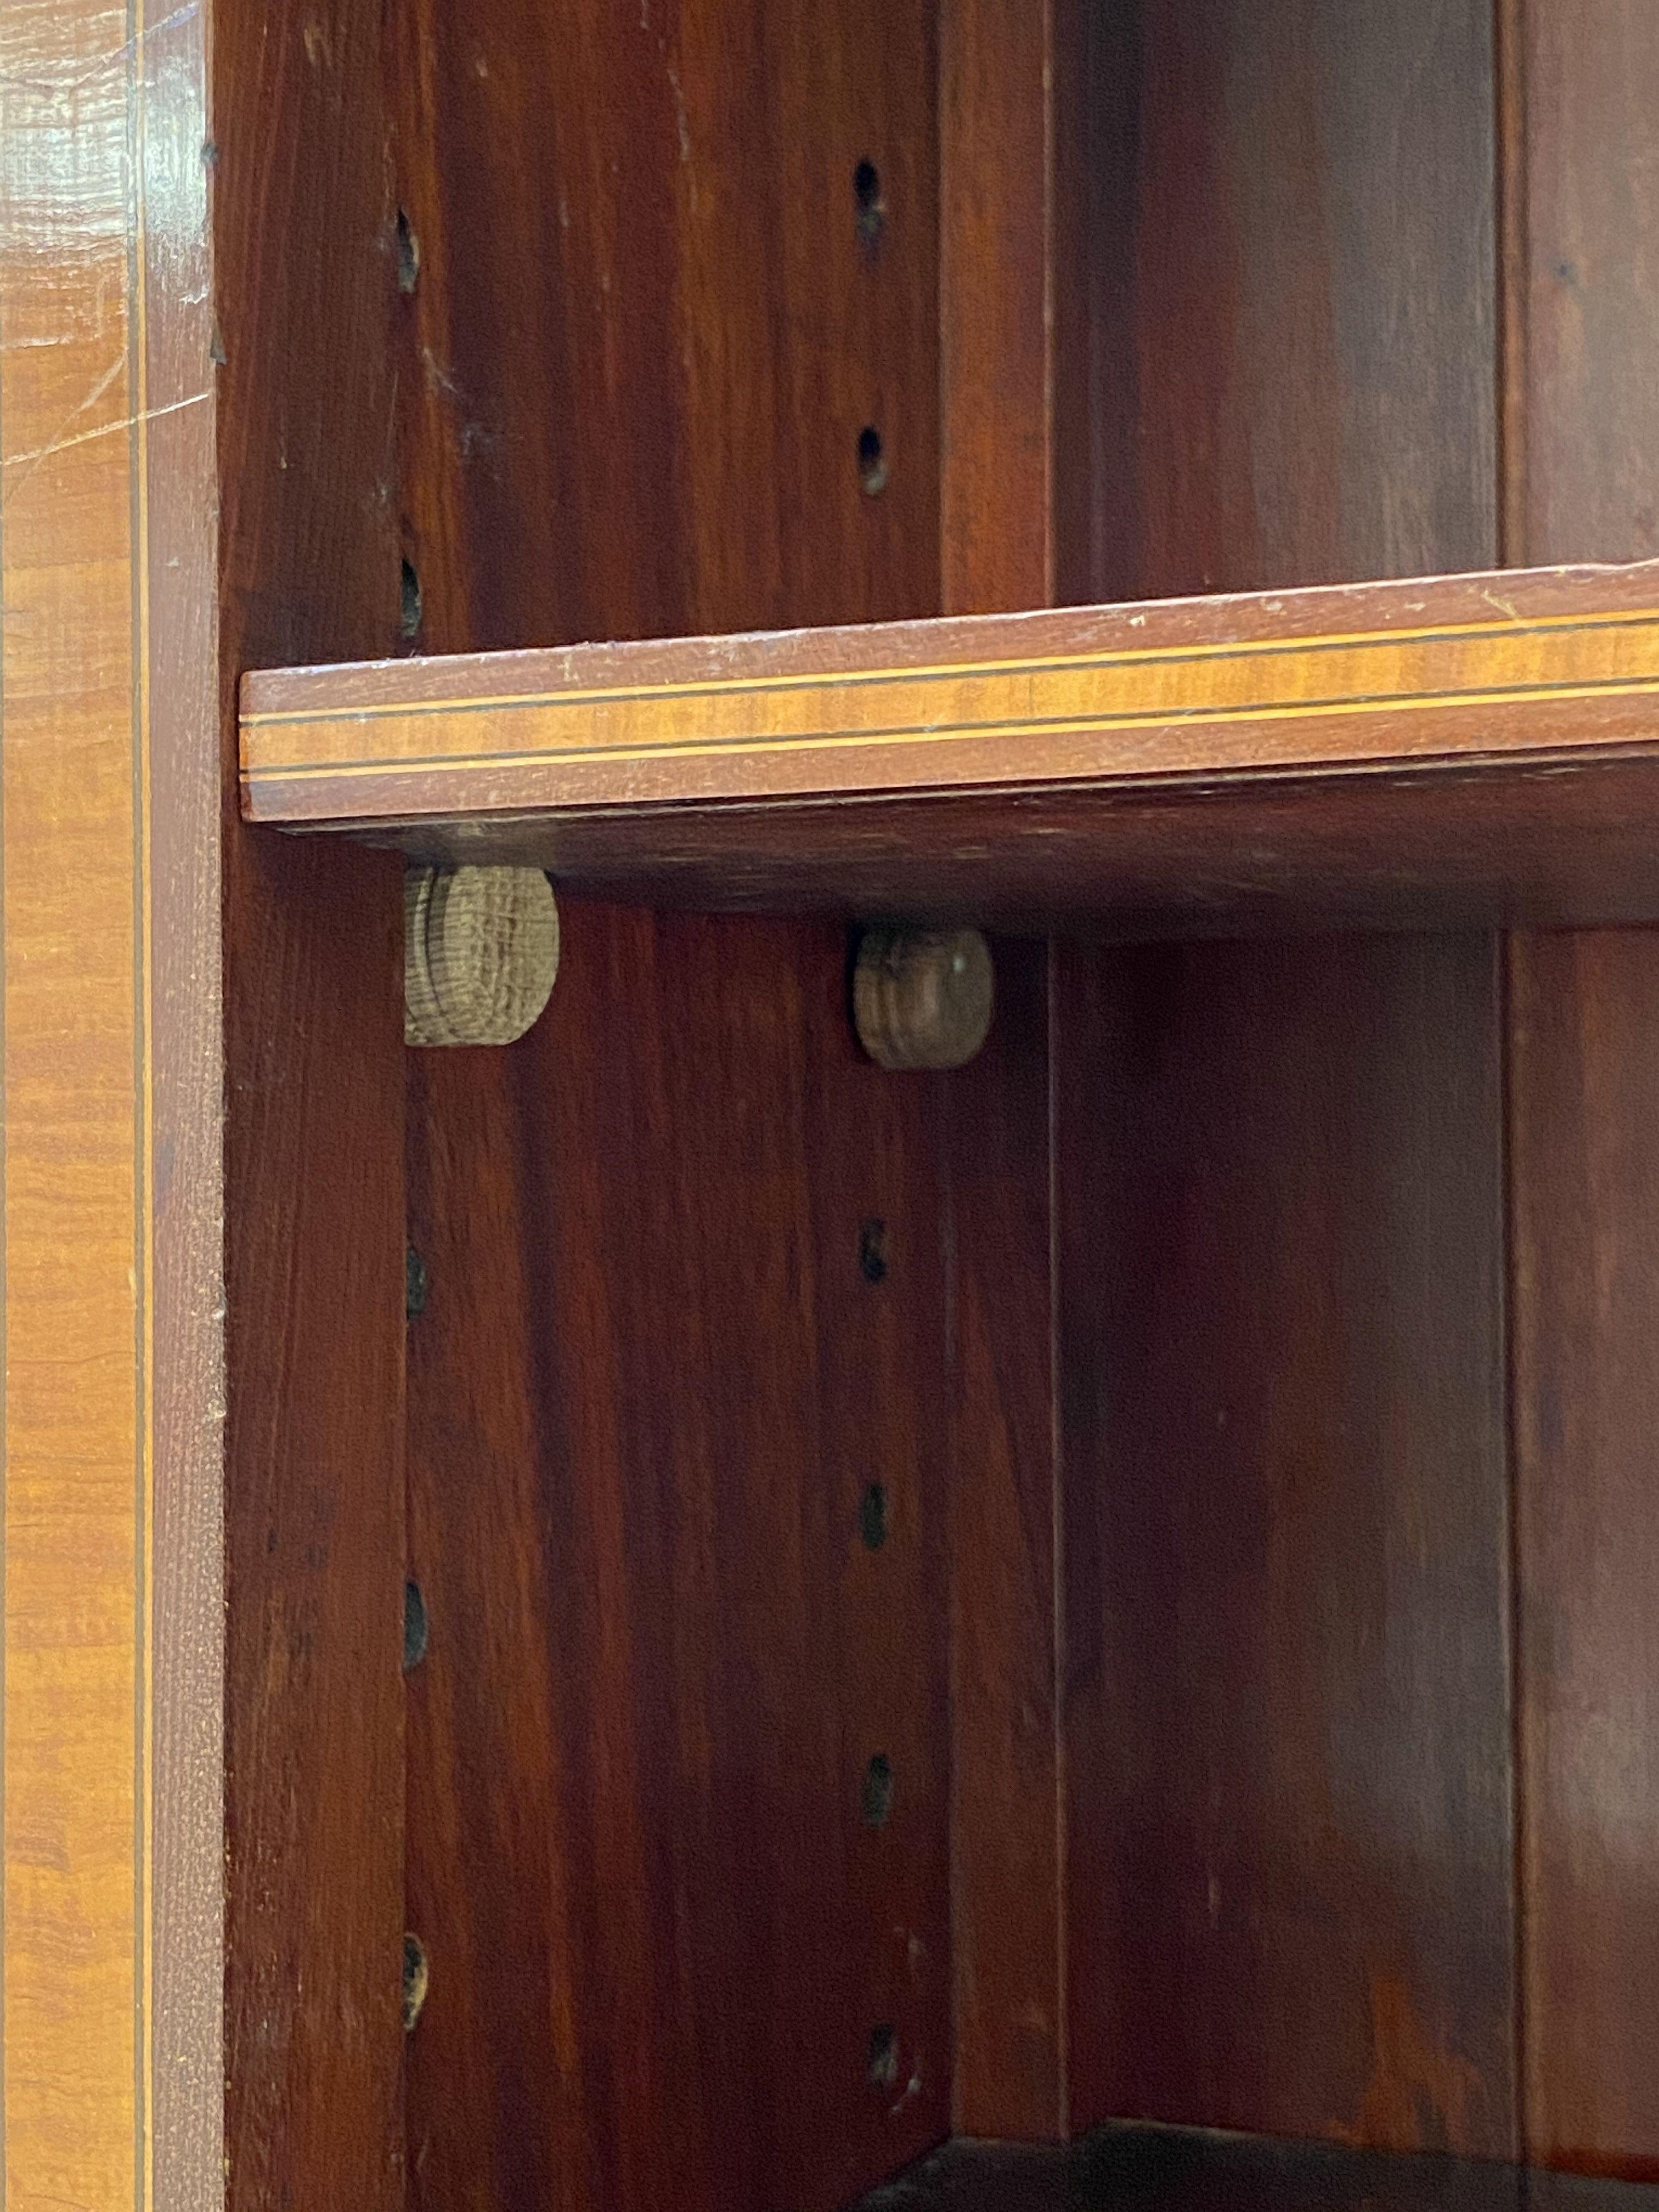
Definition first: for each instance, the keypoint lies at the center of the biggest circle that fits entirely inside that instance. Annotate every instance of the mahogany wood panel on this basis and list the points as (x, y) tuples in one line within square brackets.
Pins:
[(1286, 1722), (650, 321), (1292, 324), (685, 1267), (108, 789), (1129, 2169), (647, 332), (1007, 314), (1005, 1841), (1288, 1716), (1584, 409), (1585, 1195), (304, 281)]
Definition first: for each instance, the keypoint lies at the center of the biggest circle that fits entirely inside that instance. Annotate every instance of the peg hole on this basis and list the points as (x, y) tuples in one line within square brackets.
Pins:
[(417, 1978), (877, 1791), (408, 255), (872, 207), (415, 1626), (872, 1516), (884, 2061), (873, 465), (872, 1251), (410, 608)]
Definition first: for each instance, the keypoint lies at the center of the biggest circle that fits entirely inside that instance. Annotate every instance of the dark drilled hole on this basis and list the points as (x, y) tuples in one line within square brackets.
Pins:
[(878, 1790), (872, 468), (872, 1250), (872, 1516), (415, 1978), (416, 1285), (415, 1625), (409, 617), (867, 198), (409, 254), (884, 2059)]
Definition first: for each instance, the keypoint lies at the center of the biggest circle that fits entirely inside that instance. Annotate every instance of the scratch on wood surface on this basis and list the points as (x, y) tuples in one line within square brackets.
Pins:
[(40, 454)]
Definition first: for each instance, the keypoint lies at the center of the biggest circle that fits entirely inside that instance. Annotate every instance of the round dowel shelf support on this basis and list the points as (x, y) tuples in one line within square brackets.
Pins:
[(481, 951), (922, 998)]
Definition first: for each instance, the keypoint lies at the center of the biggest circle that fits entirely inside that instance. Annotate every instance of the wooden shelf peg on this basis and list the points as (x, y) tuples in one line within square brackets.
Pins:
[(922, 998), (481, 951)]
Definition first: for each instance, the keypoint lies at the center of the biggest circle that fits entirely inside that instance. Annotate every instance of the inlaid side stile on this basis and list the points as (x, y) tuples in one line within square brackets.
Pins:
[(113, 1391)]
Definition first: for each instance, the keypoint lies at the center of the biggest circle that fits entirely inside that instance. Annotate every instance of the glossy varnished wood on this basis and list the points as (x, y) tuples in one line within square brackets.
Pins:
[(1290, 1903), (304, 281), (113, 1592), (1585, 1308), (653, 1380)]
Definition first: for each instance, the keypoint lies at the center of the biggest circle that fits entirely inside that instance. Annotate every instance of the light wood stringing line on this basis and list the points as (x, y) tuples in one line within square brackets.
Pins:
[(1500, 667)]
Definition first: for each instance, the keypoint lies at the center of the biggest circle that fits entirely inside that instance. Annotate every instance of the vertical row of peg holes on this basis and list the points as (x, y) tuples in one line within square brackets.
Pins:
[(876, 1794), (870, 218), (417, 1970), (411, 607), (876, 1805)]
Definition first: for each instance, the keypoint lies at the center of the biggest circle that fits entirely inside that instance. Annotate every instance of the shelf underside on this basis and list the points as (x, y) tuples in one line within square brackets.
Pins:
[(1477, 747), (1152, 2169)]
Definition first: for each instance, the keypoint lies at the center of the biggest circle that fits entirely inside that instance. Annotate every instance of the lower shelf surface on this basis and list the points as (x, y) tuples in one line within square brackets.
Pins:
[(1125, 2168)]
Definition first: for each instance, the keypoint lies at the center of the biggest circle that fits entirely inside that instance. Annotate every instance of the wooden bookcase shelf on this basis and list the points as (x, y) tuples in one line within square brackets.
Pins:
[(1471, 747), (1156, 2169)]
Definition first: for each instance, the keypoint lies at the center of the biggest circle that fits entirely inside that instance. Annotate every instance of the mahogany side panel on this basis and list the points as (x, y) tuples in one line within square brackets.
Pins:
[(667, 268), (1005, 1839), (304, 287), (676, 1502), (1584, 412), (1584, 1182), (652, 319), (1290, 1864), (1282, 1379), (1294, 315), (1005, 71)]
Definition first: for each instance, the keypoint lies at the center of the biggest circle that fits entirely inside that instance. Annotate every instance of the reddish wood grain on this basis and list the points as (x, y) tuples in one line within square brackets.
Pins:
[(653, 1383), (1005, 1845), (1292, 330), (314, 1144), (1281, 1368), (1290, 1902), (644, 306), (1584, 1182), (1585, 1300), (1003, 70)]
